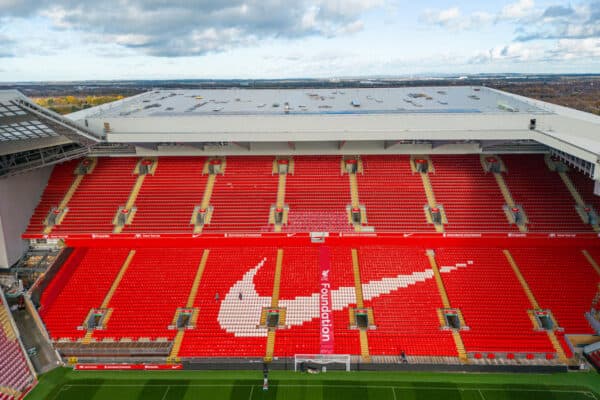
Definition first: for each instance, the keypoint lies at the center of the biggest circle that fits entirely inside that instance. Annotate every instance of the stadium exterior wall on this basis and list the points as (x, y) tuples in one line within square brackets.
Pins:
[(19, 195)]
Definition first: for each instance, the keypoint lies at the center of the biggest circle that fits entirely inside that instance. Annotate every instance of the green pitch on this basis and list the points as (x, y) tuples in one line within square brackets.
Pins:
[(65, 384)]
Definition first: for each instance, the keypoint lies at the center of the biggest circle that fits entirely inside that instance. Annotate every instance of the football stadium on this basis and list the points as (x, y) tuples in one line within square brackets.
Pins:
[(389, 243)]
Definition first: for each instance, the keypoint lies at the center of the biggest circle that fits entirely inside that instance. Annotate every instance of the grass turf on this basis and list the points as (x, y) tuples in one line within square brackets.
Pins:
[(65, 384)]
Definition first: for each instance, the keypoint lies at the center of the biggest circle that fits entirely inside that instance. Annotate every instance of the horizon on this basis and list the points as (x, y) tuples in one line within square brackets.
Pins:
[(332, 79)]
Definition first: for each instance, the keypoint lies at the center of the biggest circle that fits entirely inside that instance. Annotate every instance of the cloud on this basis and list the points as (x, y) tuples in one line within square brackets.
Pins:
[(7, 45), (519, 9), (564, 50), (453, 19), (558, 11), (186, 28), (559, 22)]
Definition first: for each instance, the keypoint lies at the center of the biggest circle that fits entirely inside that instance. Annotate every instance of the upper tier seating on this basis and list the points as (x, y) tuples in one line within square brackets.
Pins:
[(585, 187), (492, 302), (548, 204), (242, 197), (317, 195), (393, 195), (60, 180), (167, 199), (96, 201), (471, 198)]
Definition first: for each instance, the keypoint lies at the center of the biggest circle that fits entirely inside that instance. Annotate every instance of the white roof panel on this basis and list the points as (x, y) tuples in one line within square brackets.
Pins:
[(451, 100)]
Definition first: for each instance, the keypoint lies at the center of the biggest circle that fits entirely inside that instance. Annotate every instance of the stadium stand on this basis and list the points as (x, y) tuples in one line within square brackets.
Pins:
[(16, 377), (143, 286), (346, 340), (243, 195), (300, 279), (226, 267), (547, 202), (167, 198), (58, 184), (80, 285), (137, 310), (491, 301), (397, 284), (563, 282), (475, 208), (406, 316), (393, 195), (317, 195), (98, 197)]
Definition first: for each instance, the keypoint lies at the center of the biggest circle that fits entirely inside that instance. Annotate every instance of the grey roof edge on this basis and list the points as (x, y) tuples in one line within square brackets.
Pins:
[(91, 112), (553, 108)]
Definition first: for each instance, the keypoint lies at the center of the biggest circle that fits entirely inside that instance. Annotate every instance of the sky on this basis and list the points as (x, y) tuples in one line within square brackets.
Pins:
[(65, 40)]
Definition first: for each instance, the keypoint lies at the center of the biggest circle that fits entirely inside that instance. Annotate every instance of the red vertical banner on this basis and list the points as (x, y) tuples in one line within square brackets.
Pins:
[(325, 307)]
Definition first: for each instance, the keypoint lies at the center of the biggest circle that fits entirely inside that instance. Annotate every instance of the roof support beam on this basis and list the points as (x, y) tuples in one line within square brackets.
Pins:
[(389, 143), (148, 146), (16, 163), (72, 130), (244, 145)]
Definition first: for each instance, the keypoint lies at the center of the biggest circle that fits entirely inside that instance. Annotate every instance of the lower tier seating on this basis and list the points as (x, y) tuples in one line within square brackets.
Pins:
[(492, 302), (397, 283), (405, 310), (301, 277), (562, 281), (227, 325), (81, 291), (157, 282)]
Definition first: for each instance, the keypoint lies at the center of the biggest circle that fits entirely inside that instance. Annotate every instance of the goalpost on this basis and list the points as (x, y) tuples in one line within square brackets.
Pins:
[(322, 359)]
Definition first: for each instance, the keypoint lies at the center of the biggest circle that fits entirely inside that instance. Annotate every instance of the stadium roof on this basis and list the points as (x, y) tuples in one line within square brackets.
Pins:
[(457, 119), (171, 103), (32, 137), (25, 125), (417, 120)]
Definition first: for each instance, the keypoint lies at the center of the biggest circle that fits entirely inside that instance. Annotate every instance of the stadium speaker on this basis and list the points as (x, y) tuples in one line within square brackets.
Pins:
[(532, 123)]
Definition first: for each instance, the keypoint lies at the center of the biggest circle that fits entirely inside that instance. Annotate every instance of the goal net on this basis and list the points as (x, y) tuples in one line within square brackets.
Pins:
[(322, 359)]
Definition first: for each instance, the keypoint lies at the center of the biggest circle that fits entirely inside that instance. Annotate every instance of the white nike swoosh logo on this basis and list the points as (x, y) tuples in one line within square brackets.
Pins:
[(240, 317)]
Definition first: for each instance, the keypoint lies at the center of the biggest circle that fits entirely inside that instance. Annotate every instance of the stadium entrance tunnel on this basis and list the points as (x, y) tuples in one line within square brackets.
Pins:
[(185, 318), (96, 318), (272, 318), (362, 318), (422, 165), (452, 319), (545, 320)]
